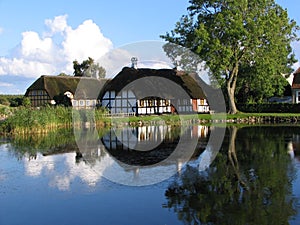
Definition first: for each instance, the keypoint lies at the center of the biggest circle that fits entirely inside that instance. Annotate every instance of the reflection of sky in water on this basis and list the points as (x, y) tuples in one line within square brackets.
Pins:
[(77, 194), (59, 183), (62, 170), (296, 190)]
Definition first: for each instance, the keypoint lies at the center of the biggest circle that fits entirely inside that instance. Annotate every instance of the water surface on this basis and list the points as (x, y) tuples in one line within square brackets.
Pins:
[(59, 178)]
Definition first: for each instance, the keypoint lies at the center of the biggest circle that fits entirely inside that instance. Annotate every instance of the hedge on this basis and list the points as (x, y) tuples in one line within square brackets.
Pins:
[(269, 108)]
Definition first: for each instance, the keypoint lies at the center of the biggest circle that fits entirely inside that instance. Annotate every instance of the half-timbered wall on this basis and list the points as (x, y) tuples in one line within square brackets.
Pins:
[(191, 105), (153, 106), (124, 102), (202, 106), (39, 98)]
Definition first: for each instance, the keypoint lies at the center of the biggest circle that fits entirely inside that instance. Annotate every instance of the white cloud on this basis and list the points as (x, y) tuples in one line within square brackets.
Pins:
[(1, 30), (114, 61), (33, 45), (5, 84), (40, 55), (24, 67), (150, 54), (85, 41), (57, 25)]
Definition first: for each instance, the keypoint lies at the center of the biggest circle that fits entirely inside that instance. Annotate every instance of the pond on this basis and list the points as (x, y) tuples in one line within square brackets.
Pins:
[(152, 175)]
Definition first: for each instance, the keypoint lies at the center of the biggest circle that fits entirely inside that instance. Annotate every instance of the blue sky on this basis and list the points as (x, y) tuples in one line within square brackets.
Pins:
[(44, 37)]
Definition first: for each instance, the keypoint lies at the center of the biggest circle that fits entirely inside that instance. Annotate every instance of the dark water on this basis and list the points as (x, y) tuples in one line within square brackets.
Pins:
[(142, 176)]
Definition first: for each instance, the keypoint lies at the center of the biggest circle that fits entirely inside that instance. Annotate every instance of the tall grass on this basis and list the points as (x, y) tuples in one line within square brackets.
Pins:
[(29, 120), (42, 120)]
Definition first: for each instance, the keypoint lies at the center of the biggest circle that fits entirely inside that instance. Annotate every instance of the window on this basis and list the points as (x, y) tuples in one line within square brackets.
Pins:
[(74, 103), (142, 103)]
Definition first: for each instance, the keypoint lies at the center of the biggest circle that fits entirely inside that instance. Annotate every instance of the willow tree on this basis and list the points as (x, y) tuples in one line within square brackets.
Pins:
[(231, 34)]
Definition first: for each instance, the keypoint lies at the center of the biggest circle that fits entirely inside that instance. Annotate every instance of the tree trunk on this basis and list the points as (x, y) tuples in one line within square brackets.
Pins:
[(233, 157), (231, 102), (231, 85)]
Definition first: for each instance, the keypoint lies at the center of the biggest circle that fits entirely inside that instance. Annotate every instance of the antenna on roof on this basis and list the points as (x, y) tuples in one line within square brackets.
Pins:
[(134, 62)]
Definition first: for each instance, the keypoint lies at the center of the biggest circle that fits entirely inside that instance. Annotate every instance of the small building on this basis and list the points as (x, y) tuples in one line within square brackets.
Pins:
[(68, 90), (144, 91), (296, 87)]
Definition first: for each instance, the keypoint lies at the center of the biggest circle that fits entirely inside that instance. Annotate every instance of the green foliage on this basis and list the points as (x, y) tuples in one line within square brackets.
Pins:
[(44, 119), (88, 68), (269, 108), (245, 44), (26, 102), (14, 100), (255, 89), (25, 120), (4, 100), (255, 189)]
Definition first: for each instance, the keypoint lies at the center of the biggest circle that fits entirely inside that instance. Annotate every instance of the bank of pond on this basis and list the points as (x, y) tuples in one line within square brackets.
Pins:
[(42, 120)]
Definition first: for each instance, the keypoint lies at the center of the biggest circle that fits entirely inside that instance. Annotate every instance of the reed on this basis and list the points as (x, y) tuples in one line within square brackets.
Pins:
[(42, 120), (37, 120)]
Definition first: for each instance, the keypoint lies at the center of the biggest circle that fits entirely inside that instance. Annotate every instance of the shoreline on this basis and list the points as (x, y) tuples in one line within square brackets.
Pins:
[(155, 120)]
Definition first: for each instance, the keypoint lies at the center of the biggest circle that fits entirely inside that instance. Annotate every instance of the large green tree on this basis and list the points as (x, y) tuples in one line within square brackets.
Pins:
[(234, 36), (88, 68)]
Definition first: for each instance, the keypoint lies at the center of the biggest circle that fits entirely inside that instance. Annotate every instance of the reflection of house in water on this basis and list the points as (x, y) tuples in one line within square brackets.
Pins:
[(127, 152), (151, 144), (293, 146), (131, 137)]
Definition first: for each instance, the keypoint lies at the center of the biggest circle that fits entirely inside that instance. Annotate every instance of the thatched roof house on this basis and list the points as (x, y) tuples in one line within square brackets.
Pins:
[(55, 89), (133, 90), (154, 91)]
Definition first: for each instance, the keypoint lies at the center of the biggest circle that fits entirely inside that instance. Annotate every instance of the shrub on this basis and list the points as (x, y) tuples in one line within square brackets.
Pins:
[(269, 108)]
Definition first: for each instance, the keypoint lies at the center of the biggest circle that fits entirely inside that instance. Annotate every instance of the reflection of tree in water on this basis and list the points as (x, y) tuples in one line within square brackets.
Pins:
[(250, 182), (58, 141)]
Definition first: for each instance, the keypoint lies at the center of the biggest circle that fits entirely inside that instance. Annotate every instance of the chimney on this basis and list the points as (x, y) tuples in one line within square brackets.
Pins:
[(134, 62)]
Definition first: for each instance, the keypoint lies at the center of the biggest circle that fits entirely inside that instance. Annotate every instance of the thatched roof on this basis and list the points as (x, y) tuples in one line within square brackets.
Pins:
[(159, 82), (57, 85), (296, 79)]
